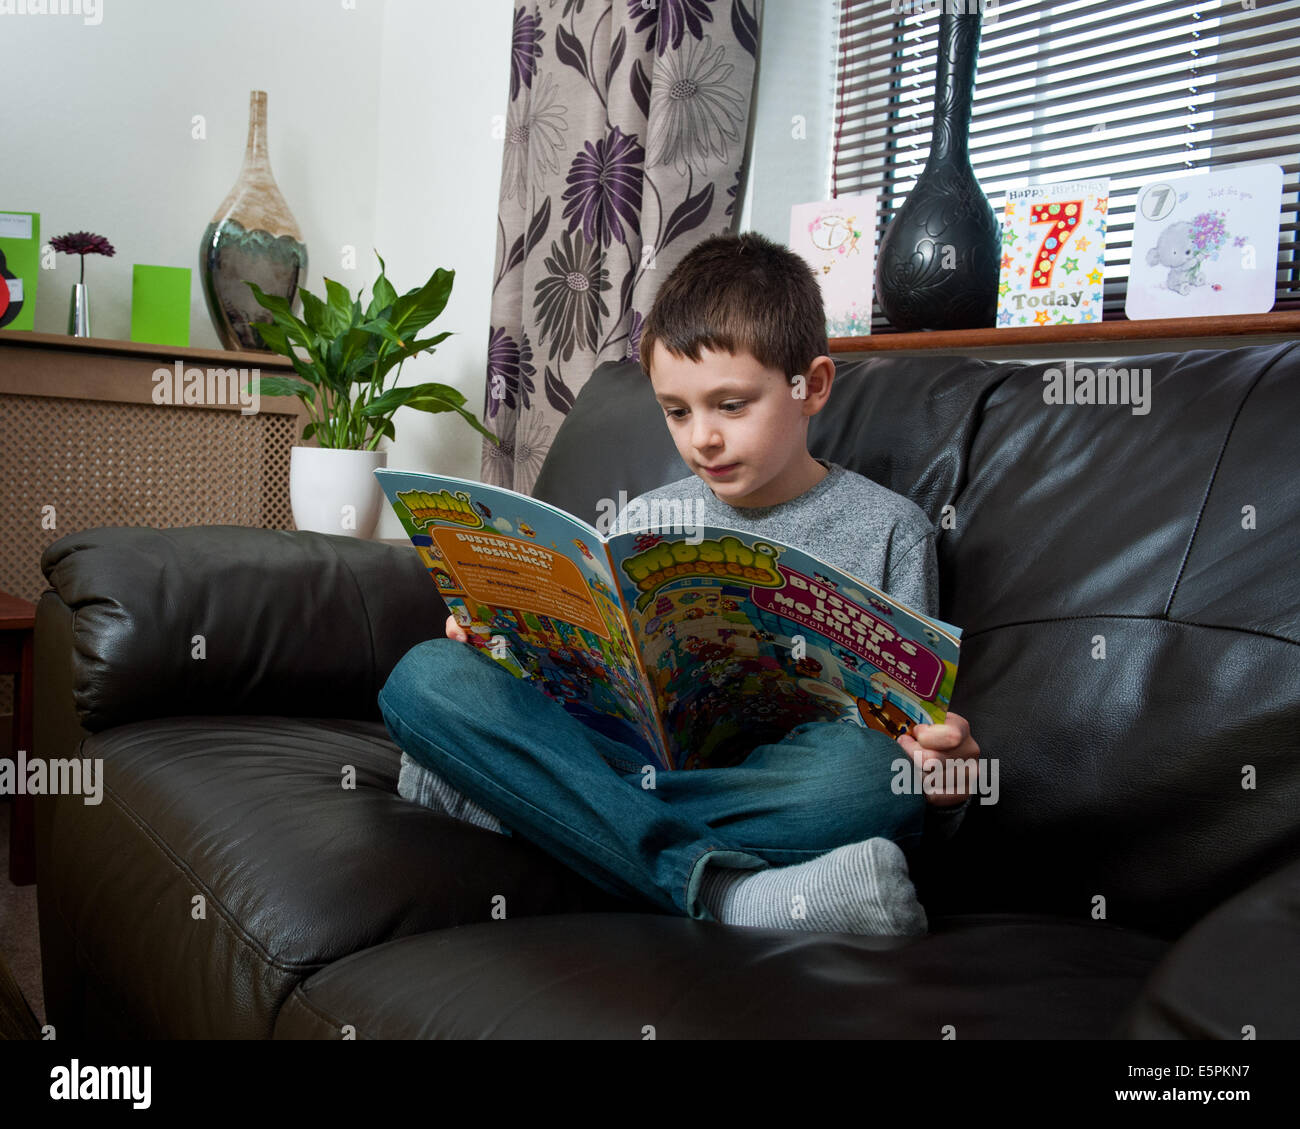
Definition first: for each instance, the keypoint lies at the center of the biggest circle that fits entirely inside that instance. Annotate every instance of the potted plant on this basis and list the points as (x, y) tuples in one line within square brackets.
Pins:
[(343, 356)]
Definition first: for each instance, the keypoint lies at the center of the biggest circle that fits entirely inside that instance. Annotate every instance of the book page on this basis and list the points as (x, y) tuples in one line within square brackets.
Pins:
[(532, 587), (744, 639)]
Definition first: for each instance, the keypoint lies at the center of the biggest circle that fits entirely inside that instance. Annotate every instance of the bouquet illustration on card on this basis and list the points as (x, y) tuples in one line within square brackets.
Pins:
[(1053, 253), (837, 238), (1206, 244)]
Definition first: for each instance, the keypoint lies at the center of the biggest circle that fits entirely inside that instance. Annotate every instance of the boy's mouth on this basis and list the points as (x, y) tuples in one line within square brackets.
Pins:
[(720, 471)]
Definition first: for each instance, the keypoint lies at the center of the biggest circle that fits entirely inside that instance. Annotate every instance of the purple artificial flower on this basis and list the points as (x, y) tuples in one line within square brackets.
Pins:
[(82, 243)]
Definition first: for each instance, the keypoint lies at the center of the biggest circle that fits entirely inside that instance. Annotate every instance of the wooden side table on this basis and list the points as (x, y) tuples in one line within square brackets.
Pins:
[(17, 634)]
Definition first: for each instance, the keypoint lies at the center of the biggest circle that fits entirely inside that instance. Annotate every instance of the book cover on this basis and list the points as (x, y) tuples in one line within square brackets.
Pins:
[(1053, 254), (693, 647)]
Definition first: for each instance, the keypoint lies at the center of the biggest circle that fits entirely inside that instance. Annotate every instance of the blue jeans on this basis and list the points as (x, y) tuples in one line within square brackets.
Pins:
[(579, 794)]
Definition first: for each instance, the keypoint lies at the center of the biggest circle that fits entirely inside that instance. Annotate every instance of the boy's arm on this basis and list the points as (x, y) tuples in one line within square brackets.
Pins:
[(913, 576)]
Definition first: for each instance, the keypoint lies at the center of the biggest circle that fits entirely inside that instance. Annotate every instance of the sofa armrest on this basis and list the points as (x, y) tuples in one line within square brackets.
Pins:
[(1232, 974), (231, 620)]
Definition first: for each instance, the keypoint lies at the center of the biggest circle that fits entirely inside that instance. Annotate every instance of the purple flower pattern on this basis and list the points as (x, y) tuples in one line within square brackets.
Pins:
[(622, 148)]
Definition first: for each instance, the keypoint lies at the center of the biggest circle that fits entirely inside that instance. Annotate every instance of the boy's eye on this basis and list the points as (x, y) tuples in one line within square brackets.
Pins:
[(732, 406)]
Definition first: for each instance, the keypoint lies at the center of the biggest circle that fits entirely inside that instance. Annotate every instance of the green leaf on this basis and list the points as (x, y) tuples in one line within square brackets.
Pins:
[(274, 337), (311, 375), (282, 315), (272, 302), (284, 386), (340, 307), (382, 329), (333, 365), (437, 404), (441, 392), (382, 295), (388, 402), (425, 398), (387, 361), (417, 308), (309, 430), (314, 313)]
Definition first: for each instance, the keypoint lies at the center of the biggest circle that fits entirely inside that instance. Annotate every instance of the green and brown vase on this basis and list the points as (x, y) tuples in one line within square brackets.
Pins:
[(252, 238)]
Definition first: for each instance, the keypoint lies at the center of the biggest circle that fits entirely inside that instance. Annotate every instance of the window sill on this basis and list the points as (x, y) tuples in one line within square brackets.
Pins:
[(1281, 324)]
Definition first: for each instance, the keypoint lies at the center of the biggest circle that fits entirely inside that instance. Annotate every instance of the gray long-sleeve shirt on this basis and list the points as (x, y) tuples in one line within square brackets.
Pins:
[(845, 519)]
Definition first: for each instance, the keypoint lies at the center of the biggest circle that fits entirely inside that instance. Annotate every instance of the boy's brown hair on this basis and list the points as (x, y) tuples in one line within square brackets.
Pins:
[(734, 292)]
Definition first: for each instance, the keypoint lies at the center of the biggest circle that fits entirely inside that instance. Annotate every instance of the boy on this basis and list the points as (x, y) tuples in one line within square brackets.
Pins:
[(804, 833)]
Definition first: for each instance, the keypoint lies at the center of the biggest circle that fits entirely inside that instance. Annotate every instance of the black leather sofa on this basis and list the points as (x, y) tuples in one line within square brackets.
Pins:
[(251, 872)]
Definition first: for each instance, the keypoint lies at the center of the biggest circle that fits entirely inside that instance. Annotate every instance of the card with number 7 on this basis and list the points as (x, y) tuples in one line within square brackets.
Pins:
[(1053, 253)]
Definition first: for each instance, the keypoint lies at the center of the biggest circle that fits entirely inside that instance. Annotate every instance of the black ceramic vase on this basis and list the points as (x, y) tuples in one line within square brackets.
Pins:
[(937, 267)]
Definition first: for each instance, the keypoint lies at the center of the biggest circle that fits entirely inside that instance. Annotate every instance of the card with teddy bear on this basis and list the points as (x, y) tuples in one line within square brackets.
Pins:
[(1206, 244)]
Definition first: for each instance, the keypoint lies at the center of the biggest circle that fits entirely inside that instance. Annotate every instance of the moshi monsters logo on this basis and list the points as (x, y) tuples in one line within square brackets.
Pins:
[(727, 558), (426, 508)]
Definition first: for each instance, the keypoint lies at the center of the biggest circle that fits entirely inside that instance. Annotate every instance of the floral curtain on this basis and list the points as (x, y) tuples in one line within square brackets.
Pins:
[(625, 145)]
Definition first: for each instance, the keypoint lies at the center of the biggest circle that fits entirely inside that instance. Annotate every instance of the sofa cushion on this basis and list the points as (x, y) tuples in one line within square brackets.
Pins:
[(609, 976), (292, 869)]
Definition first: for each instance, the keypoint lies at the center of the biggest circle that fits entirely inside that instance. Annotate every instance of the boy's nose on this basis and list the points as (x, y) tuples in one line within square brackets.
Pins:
[(706, 437)]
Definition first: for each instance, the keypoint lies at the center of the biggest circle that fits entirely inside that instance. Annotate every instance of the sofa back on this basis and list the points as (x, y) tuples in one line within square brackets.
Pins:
[(1128, 590)]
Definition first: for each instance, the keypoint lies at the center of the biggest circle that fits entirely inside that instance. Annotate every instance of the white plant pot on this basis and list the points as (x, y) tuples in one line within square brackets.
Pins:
[(335, 491)]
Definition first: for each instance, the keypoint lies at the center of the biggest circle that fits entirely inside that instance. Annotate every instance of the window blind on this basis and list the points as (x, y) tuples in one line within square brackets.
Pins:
[(1071, 89)]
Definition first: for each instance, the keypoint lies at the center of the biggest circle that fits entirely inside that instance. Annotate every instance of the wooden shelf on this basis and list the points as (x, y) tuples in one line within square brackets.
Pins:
[(97, 368), (1286, 323), (99, 346)]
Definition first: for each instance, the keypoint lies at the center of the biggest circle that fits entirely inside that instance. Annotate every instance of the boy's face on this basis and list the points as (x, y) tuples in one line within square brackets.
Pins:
[(739, 426)]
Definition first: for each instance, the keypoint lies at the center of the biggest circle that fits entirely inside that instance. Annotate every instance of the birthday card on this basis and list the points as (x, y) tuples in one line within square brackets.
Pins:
[(1053, 253), (1206, 244), (837, 238), (20, 244)]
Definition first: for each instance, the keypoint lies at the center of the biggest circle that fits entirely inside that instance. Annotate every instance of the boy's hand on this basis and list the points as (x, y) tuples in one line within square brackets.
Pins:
[(455, 631), (950, 741)]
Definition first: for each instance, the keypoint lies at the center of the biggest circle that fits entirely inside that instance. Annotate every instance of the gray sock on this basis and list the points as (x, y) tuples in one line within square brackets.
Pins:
[(421, 786), (858, 888)]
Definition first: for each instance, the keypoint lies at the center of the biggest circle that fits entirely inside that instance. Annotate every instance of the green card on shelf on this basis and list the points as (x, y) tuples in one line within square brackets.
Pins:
[(20, 245), (160, 305)]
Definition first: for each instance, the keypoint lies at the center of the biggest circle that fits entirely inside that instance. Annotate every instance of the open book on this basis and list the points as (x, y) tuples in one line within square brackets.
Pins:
[(692, 646)]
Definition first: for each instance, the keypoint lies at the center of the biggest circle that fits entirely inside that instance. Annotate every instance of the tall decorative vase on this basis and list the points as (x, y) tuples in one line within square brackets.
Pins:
[(252, 238), (937, 267)]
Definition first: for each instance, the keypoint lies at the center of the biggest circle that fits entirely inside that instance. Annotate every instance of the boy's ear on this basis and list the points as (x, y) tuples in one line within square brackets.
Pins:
[(821, 374)]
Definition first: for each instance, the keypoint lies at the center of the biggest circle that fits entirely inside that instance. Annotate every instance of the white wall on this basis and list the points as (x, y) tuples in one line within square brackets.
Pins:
[(381, 133), (446, 75), (796, 68), (96, 134)]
